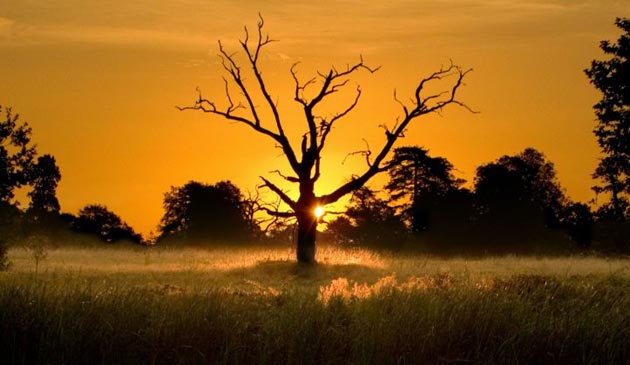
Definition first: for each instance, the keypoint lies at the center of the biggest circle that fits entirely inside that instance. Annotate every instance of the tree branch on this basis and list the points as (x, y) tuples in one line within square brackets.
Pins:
[(292, 179), (420, 108), (285, 198), (332, 82), (234, 70), (325, 127), (253, 60), (255, 204), (208, 106), (278, 214)]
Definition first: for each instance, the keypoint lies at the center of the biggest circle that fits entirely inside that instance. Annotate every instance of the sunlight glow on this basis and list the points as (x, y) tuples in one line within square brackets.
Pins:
[(319, 212)]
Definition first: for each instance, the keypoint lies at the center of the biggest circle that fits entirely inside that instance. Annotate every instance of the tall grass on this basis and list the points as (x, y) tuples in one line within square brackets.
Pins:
[(236, 306)]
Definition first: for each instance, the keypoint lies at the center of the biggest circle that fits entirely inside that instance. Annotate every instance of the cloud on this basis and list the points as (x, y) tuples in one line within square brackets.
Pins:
[(363, 25), (6, 26), (123, 36), (53, 33)]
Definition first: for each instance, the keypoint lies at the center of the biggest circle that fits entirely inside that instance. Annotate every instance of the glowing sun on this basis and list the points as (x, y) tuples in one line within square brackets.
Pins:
[(319, 212)]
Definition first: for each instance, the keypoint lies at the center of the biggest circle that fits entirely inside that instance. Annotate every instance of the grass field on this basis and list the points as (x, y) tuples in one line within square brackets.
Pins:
[(255, 305)]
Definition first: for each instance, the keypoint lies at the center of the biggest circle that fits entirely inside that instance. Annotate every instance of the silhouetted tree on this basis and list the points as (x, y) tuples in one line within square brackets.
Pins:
[(342, 231), (415, 175), (369, 221), (16, 154), (612, 78), (518, 193), (281, 232), (97, 219), (202, 212), (578, 221), (446, 217), (45, 176), (16, 160), (10, 217), (310, 96)]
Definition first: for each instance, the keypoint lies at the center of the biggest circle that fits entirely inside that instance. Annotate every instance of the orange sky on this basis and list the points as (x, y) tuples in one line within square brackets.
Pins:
[(98, 81)]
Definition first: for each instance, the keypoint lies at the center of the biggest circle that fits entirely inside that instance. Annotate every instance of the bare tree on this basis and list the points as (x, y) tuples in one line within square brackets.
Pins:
[(306, 168)]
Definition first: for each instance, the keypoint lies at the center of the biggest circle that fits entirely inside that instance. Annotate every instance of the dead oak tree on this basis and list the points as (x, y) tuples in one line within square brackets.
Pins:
[(306, 166)]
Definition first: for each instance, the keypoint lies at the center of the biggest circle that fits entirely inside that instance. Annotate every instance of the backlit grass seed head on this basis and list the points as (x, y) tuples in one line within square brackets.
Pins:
[(347, 291)]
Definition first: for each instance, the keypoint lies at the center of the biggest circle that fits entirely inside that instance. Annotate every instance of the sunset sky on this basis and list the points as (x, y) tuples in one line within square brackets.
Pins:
[(99, 82)]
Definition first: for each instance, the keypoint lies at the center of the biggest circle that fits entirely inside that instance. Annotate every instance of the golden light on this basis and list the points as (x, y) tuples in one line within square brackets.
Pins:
[(319, 212)]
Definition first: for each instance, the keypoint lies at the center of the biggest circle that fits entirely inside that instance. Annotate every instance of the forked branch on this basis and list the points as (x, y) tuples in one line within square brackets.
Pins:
[(255, 204), (235, 72), (285, 198), (422, 105), (307, 170), (315, 139)]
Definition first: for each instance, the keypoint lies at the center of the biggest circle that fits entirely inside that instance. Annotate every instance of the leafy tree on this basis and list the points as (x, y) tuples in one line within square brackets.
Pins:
[(578, 221), (342, 231), (369, 221), (255, 104), (16, 154), (447, 216), (9, 216), (612, 78), (97, 219), (45, 176), (202, 212), (519, 191), (414, 176), (16, 160)]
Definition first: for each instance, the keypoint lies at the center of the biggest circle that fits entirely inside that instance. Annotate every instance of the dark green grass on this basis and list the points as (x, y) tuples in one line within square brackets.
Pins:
[(96, 319)]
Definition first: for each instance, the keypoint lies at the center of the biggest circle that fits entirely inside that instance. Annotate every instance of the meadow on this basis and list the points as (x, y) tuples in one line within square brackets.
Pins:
[(256, 305)]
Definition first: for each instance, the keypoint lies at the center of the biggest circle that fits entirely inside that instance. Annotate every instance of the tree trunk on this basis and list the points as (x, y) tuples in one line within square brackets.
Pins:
[(619, 213), (307, 233)]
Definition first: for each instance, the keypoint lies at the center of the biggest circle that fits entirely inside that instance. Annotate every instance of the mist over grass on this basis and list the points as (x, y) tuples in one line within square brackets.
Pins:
[(256, 305)]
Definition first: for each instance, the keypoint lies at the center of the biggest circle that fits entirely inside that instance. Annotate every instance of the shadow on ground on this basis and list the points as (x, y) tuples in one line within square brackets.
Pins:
[(271, 272)]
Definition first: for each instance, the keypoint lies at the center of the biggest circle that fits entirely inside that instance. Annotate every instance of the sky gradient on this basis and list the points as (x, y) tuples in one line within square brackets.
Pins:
[(99, 81)]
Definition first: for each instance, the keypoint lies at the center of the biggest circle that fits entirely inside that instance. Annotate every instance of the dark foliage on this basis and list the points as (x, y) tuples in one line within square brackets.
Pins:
[(417, 180), (10, 217), (16, 154), (519, 195), (612, 78), (578, 221), (98, 220), (611, 236), (202, 213), (18, 168), (45, 176), (369, 222), (16, 159), (448, 219)]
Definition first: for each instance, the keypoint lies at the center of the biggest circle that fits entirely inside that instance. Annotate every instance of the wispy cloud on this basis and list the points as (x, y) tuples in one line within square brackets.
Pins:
[(6, 25), (12, 32), (360, 24)]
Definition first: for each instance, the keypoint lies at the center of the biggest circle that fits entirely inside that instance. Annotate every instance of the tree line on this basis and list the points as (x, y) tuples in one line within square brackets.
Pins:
[(516, 204)]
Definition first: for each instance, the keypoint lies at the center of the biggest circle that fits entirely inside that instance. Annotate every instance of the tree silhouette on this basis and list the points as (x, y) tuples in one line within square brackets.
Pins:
[(414, 175), (310, 96), (45, 176), (520, 192), (16, 154), (369, 221), (18, 169), (612, 78), (97, 219), (578, 221), (199, 212)]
